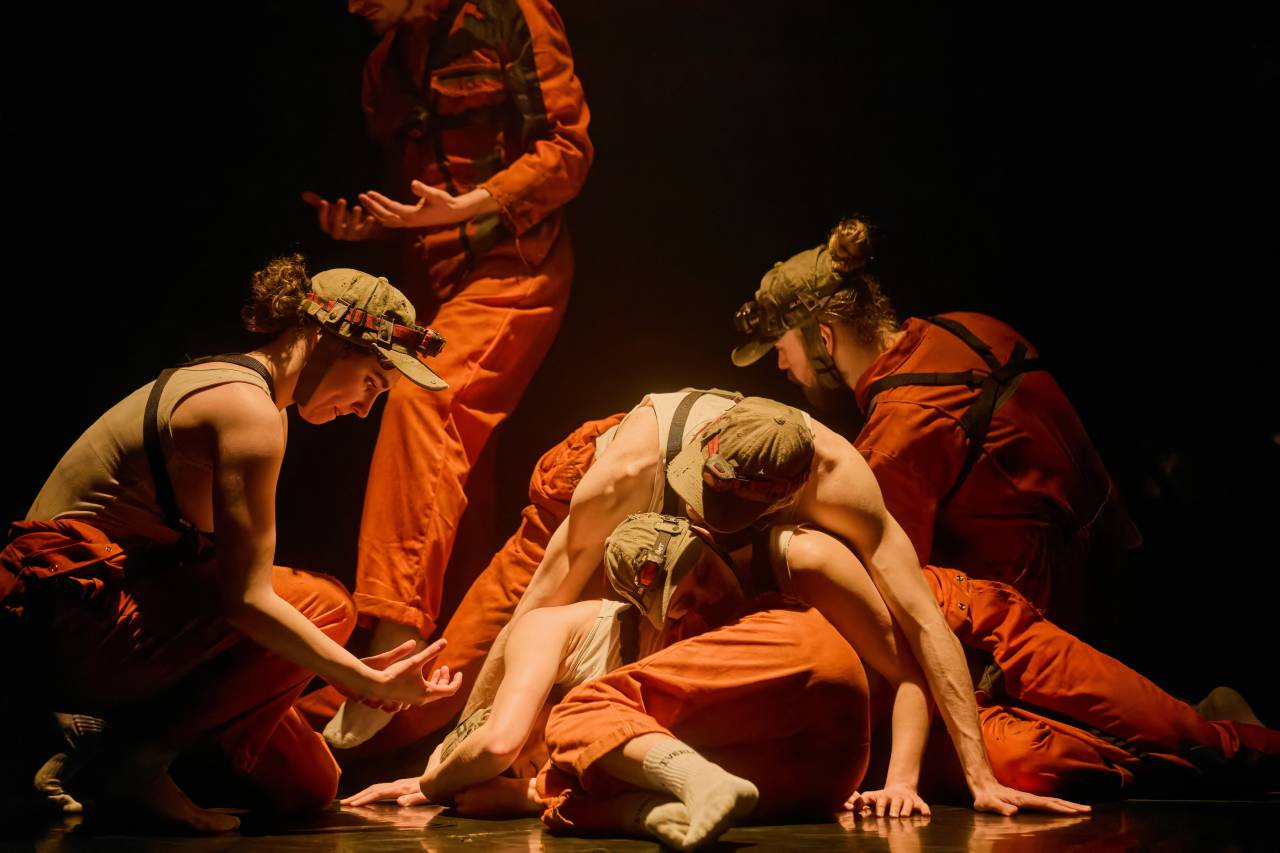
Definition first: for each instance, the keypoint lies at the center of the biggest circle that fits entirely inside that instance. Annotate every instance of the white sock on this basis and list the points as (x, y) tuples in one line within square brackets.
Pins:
[(714, 798), (354, 724)]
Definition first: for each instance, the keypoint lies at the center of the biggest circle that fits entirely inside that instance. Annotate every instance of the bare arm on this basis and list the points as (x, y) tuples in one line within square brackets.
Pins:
[(844, 499), (539, 641), (246, 446), (823, 570), (618, 484)]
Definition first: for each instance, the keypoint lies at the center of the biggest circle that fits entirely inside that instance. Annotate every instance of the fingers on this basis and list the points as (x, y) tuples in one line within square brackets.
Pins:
[(371, 794), (1053, 804), (426, 655), (386, 211), (429, 194), (313, 199), (414, 799)]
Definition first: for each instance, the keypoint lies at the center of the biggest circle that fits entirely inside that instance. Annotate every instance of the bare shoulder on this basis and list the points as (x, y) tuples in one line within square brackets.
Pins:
[(629, 463), (557, 622), (636, 440), (237, 417)]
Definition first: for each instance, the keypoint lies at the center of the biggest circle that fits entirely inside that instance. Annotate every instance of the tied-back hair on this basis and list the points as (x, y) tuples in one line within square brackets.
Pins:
[(275, 303), (275, 295), (860, 305)]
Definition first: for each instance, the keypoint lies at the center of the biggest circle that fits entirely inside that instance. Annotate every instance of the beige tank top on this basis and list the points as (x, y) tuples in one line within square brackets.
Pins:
[(707, 407), (104, 477), (599, 652)]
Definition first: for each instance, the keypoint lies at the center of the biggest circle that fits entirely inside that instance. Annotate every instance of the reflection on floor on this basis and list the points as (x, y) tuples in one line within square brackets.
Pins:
[(1133, 825)]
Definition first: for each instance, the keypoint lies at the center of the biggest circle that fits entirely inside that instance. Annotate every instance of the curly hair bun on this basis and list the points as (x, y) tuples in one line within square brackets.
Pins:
[(276, 295), (850, 245)]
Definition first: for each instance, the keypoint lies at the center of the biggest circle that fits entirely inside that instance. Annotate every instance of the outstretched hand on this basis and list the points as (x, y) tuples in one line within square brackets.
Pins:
[(1004, 800), (341, 222), (404, 791), (401, 680), (892, 800), (435, 208)]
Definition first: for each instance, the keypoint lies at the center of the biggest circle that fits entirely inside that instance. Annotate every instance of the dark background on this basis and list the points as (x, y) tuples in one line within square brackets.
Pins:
[(1101, 176)]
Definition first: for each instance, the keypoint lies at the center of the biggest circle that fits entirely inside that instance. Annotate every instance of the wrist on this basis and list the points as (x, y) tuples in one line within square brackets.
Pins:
[(477, 202)]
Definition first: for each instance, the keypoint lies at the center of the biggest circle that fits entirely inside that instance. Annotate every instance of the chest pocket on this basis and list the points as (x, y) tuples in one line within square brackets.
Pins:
[(469, 83)]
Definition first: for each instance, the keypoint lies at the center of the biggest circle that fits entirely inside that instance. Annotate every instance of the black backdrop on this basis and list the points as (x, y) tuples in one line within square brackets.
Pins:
[(1101, 176)]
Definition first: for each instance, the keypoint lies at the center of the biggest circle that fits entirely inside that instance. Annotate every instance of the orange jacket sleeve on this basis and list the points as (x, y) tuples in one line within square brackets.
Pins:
[(554, 118)]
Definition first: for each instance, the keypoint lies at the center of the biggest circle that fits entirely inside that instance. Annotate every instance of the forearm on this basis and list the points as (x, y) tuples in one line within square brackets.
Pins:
[(473, 762), (942, 659), (911, 715), (277, 626)]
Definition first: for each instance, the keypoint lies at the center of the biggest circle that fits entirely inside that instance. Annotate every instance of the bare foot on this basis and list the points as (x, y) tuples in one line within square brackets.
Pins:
[(156, 806), (499, 797), (1223, 703)]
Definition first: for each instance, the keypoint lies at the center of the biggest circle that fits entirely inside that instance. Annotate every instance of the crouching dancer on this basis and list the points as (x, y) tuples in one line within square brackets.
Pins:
[(743, 708), (114, 585)]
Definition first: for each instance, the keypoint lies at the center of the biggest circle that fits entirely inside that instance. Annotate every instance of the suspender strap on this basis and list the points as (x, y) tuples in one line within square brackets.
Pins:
[(244, 361), (974, 342), (675, 440), (155, 456), (165, 497), (993, 389), (628, 635)]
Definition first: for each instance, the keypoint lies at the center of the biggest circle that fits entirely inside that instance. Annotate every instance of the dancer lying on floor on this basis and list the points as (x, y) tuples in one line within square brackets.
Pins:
[(1067, 719)]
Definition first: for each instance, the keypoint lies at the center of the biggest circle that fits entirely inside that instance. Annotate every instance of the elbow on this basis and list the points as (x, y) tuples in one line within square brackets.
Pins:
[(501, 744), (241, 610)]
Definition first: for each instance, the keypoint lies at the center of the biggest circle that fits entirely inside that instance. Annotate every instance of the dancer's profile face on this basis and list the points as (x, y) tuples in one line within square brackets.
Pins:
[(350, 386), (792, 359)]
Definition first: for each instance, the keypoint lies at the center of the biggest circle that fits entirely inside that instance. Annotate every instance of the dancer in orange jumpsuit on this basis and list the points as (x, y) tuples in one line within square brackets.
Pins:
[(1058, 717), (978, 452), (484, 124), (119, 604), (771, 698)]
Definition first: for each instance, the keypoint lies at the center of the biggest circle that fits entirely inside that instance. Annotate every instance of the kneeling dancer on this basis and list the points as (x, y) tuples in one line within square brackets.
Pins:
[(115, 586)]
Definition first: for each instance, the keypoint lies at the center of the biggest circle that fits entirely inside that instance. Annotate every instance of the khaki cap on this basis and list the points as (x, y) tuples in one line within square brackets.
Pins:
[(744, 464), (368, 312), (791, 293), (647, 556)]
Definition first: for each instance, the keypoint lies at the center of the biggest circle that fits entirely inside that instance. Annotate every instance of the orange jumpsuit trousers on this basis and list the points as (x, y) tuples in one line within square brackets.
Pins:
[(1060, 717), (492, 598), (469, 97), (776, 697), (135, 638)]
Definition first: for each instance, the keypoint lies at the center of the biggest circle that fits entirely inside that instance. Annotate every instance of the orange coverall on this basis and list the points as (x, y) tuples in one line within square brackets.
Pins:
[(1061, 718), (775, 696), (492, 598), (482, 94), (1038, 502), (134, 636)]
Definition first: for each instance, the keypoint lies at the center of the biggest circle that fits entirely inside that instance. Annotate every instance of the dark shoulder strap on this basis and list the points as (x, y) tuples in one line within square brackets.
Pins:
[(675, 440), (991, 387), (155, 455), (628, 634), (165, 496), (961, 331), (244, 361)]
